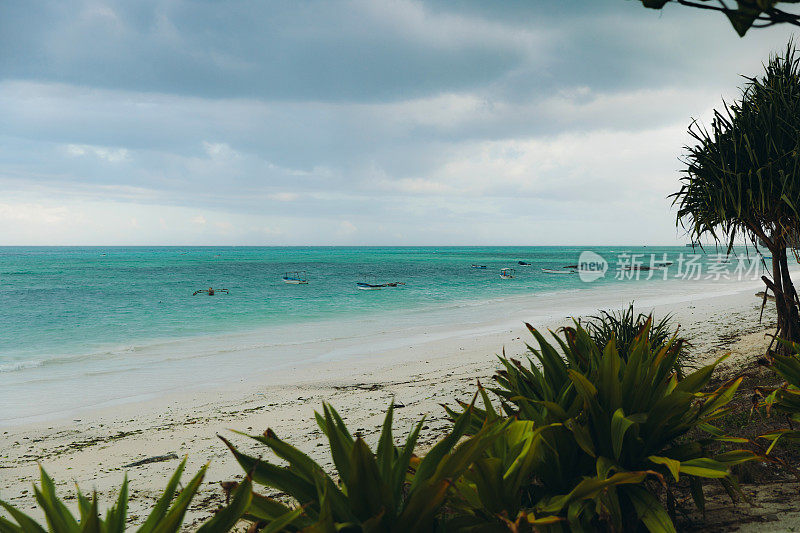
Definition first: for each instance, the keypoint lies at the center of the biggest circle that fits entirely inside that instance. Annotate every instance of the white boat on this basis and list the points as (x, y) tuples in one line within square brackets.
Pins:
[(558, 271), (295, 278), (507, 273)]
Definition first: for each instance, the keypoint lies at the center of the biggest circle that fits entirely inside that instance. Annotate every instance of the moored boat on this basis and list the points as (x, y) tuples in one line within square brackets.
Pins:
[(295, 278), (507, 273), (369, 286), (557, 271)]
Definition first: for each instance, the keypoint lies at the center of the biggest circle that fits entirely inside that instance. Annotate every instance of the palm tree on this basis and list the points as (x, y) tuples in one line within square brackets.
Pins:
[(743, 176)]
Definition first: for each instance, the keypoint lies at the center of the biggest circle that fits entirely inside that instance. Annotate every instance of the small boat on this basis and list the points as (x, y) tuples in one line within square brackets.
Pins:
[(295, 278), (523, 263), (478, 266), (369, 286), (507, 273), (211, 291), (376, 287), (557, 271)]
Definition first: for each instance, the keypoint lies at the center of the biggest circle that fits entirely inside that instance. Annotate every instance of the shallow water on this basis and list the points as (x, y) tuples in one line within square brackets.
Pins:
[(93, 325)]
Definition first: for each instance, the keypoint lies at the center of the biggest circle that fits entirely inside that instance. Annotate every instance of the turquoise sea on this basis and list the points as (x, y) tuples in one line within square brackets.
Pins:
[(92, 325)]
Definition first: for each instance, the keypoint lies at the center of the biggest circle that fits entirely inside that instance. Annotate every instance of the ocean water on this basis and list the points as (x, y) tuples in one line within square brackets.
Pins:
[(96, 325)]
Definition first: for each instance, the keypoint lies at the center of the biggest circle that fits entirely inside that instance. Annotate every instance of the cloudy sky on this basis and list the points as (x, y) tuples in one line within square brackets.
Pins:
[(354, 122)]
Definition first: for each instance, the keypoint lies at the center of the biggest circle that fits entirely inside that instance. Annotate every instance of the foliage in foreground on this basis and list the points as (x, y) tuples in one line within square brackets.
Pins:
[(614, 418), (626, 325), (375, 491), (163, 518), (785, 399)]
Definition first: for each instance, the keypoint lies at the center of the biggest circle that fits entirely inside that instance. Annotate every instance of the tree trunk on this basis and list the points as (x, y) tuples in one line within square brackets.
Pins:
[(786, 301)]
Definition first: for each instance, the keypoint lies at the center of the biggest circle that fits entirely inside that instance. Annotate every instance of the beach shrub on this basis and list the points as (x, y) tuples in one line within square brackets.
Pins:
[(525, 466), (391, 490), (786, 398), (165, 517), (604, 413), (624, 327)]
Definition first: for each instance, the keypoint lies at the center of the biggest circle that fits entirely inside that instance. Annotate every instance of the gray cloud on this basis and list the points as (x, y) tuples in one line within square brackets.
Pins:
[(354, 122)]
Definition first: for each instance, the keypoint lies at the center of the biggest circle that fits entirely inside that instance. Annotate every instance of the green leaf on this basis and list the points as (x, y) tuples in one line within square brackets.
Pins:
[(227, 517), (263, 508), (90, 518), (619, 427), (161, 506), (588, 489), (673, 465), (274, 476), (277, 525), (366, 491), (650, 511), (386, 450), (27, 524), (704, 467), (301, 464), (174, 518), (58, 516), (696, 488), (582, 436)]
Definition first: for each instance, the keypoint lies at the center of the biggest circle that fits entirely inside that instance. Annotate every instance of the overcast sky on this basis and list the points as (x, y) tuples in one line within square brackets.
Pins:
[(358, 122)]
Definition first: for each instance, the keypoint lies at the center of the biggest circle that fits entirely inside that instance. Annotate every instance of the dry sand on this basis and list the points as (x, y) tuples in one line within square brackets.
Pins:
[(92, 449)]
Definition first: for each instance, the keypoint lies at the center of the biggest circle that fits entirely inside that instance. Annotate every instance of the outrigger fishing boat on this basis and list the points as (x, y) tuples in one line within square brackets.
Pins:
[(507, 273), (295, 278), (376, 287), (367, 286), (479, 266), (558, 271)]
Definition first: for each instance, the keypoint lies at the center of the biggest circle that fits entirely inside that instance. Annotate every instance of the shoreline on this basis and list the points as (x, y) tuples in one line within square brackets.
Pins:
[(235, 360), (92, 448)]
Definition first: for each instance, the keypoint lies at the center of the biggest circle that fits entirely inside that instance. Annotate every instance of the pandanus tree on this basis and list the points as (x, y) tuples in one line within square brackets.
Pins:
[(742, 177)]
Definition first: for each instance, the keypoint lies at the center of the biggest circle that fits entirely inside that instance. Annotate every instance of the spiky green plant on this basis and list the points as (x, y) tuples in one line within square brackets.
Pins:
[(625, 325), (786, 398), (524, 465), (165, 517), (613, 414), (374, 491)]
